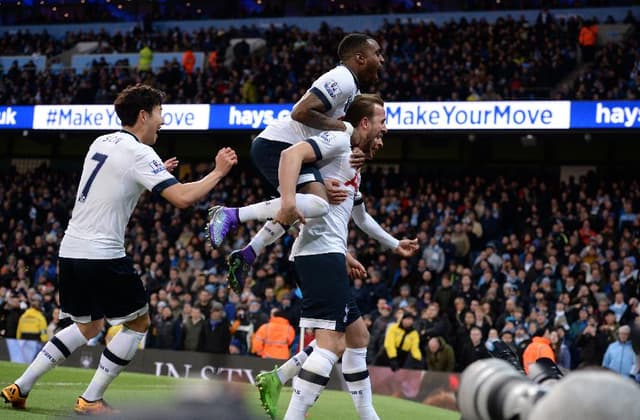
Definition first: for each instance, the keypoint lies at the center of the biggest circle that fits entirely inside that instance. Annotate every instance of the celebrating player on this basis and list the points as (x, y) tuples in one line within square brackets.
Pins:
[(97, 279), (320, 109)]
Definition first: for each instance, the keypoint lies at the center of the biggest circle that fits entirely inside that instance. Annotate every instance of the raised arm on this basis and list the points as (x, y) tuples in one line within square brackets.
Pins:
[(185, 195)]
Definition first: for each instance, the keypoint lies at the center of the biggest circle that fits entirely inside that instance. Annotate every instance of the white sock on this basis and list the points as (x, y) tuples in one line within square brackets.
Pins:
[(268, 234), (356, 375), (52, 354), (310, 205), (310, 382), (291, 367), (115, 357)]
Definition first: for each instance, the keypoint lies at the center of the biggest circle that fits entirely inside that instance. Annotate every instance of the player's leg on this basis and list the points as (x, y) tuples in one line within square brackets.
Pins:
[(125, 302), (54, 352), (325, 307), (354, 369), (311, 186), (314, 374), (76, 299), (270, 383), (266, 157)]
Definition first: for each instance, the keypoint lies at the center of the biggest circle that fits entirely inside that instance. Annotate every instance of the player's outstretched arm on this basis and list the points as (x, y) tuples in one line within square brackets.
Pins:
[(185, 195), (362, 219)]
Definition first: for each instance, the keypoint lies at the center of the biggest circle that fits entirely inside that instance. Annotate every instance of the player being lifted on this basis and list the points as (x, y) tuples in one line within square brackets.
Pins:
[(320, 109)]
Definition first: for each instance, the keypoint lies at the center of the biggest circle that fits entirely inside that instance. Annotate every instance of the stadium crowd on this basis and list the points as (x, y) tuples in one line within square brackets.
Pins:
[(458, 60), (501, 258), (71, 11)]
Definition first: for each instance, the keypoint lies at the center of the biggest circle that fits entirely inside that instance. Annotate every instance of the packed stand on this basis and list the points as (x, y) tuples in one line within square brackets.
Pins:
[(522, 259), (76, 11), (458, 60)]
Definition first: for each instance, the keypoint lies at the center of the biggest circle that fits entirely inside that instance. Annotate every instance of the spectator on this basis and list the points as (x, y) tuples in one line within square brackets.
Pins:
[(539, 347), (560, 350), (440, 356), (619, 356), (215, 337), (474, 349), (587, 40), (273, 339), (402, 346), (188, 61), (32, 324), (145, 57), (192, 330), (241, 332)]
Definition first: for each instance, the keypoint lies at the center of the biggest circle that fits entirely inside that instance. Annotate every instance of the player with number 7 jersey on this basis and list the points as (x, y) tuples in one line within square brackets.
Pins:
[(97, 280)]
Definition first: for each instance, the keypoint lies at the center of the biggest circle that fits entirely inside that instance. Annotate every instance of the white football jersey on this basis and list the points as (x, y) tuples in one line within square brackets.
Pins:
[(328, 234), (336, 89), (116, 170)]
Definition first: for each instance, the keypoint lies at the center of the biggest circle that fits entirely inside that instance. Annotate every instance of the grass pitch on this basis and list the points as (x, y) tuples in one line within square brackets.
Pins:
[(54, 396)]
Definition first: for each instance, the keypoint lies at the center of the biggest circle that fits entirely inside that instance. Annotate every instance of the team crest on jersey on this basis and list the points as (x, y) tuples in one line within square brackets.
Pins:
[(156, 167), (326, 137), (332, 88)]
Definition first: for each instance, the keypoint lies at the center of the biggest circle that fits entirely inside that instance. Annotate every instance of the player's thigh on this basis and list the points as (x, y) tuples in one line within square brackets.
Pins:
[(357, 334), (316, 188), (79, 289), (326, 297), (265, 155), (124, 297)]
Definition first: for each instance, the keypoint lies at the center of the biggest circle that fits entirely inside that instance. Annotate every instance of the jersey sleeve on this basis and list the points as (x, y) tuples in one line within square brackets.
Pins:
[(329, 144), (150, 171), (334, 88)]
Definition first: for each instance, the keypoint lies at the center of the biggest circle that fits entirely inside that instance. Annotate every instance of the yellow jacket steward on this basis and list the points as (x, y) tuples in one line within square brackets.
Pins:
[(411, 342), (32, 325)]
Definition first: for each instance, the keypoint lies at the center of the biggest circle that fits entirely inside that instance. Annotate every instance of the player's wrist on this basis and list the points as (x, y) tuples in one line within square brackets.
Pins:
[(348, 128)]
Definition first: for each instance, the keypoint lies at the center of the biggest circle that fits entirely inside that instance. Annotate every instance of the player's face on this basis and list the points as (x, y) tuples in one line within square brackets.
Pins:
[(377, 128), (152, 124), (373, 61)]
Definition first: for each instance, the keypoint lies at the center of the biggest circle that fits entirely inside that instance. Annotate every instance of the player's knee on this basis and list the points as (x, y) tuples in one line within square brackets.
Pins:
[(91, 329), (314, 206), (140, 324)]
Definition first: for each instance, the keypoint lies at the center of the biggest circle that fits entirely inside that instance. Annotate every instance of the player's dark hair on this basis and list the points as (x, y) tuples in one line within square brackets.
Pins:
[(352, 44), (362, 106), (134, 99)]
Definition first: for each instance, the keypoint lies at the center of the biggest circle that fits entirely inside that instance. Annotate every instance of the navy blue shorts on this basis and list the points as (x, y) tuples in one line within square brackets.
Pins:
[(326, 297), (96, 289), (266, 158)]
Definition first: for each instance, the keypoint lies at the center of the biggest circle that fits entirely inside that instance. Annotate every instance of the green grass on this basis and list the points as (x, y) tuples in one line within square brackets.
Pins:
[(54, 396)]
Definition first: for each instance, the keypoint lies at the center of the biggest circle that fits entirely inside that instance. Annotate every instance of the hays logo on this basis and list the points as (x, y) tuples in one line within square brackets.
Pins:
[(332, 88), (8, 116), (627, 116), (156, 167)]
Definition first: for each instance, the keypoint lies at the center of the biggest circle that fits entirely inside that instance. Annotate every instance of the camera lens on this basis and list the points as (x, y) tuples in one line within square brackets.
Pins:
[(491, 389)]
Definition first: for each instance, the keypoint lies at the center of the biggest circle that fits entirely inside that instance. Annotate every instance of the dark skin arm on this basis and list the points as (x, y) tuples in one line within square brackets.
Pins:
[(310, 112)]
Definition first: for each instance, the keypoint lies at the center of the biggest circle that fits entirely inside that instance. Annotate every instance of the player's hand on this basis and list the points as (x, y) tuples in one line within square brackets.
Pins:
[(335, 193), (355, 269), (407, 247), (393, 364), (171, 164), (357, 158), (225, 159), (288, 215)]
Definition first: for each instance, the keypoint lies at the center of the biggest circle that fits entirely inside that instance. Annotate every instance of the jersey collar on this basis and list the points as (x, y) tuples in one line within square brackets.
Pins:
[(355, 78), (131, 134)]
